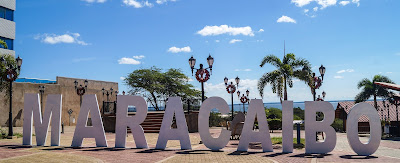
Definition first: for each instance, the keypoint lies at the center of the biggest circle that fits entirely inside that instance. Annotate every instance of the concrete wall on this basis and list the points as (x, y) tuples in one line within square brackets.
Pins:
[(64, 86), (10, 4)]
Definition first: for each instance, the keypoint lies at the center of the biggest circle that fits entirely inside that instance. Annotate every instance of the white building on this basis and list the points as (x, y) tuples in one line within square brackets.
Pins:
[(7, 25)]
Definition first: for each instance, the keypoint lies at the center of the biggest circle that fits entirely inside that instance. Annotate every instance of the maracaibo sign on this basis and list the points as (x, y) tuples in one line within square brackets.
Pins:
[(174, 106)]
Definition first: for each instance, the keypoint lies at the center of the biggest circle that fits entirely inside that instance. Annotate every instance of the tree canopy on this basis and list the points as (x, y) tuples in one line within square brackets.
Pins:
[(286, 70), (157, 86), (370, 89)]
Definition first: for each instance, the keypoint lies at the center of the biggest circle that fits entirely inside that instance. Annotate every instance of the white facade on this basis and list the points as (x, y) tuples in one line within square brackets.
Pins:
[(7, 27)]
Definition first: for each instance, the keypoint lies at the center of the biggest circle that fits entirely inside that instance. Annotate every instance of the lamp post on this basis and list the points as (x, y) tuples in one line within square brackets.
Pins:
[(244, 99), (11, 75), (107, 93), (317, 81), (202, 74), (231, 89), (81, 90), (395, 100), (41, 90), (323, 96)]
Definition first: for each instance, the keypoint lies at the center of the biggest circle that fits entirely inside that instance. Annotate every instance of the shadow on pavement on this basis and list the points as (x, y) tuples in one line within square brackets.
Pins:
[(275, 154), (357, 157), (197, 152), (244, 153), (305, 155), (152, 151), (15, 146)]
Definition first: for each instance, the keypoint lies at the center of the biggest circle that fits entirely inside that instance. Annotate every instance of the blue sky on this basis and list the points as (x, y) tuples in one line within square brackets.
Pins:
[(107, 39)]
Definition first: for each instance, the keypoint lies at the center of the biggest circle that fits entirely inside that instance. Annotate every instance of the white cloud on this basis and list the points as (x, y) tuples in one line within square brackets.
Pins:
[(217, 41), (344, 3), (306, 10), (174, 49), (235, 41), (128, 61), (95, 1), (286, 19), (301, 3), (164, 1), (68, 38), (338, 77), (326, 3), (139, 56), (121, 78), (136, 4), (261, 30), (343, 71), (219, 90), (315, 8), (389, 72), (246, 70), (225, 29), (356, 2)]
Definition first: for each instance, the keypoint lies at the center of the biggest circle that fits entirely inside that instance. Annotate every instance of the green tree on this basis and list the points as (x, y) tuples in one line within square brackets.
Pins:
[(3, 44), (282, 77), (157, 86), (273, 113), (371, 89), (298, 113), (4, 84)]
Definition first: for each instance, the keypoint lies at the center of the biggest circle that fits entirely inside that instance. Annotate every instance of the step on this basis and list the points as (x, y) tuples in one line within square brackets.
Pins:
[(151, 131), (151, 128)]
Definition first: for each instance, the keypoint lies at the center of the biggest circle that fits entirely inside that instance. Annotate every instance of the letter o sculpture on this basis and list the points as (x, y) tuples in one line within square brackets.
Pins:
[(352, 129)]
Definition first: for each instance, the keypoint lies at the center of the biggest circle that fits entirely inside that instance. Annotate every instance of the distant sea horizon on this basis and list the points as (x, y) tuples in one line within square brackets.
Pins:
[(239, 107)]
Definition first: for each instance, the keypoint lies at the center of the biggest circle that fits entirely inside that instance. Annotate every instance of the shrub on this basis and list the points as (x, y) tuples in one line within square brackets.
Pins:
[(275, 124), (338, 125)]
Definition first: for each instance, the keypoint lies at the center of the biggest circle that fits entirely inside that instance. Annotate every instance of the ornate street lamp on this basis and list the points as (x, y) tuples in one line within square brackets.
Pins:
[(41, 90), (11, 75), (106, 103), (231, 89), (244, 99), (202, 74), (317, 81), (81, 90)]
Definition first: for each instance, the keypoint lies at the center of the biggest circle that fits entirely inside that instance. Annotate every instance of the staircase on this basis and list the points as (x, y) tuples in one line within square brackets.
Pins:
[(152, 123)]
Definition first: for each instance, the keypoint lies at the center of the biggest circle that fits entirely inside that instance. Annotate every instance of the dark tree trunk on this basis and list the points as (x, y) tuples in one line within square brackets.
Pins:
[(155, 101)]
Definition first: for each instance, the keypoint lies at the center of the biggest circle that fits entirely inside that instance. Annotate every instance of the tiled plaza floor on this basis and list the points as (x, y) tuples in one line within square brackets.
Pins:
[(13, 151)]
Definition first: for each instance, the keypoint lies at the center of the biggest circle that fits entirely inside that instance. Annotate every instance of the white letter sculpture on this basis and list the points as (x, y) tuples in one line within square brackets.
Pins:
[(32, 110), (96, 131), (313, 126), (287, 126), (352, 129), (204, 115), (256, 108), (174, 105), (133, 122)]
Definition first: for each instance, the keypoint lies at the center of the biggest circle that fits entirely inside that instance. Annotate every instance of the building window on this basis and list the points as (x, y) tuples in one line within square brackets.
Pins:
[(6, 14), (9, 42)]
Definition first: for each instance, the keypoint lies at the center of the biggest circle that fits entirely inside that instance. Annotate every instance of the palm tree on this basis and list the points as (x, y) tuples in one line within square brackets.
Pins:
[(4, 44), (287, 69), (371, 89)]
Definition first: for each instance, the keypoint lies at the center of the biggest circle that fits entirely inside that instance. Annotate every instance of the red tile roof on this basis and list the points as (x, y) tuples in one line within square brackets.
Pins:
[(382, 110)]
